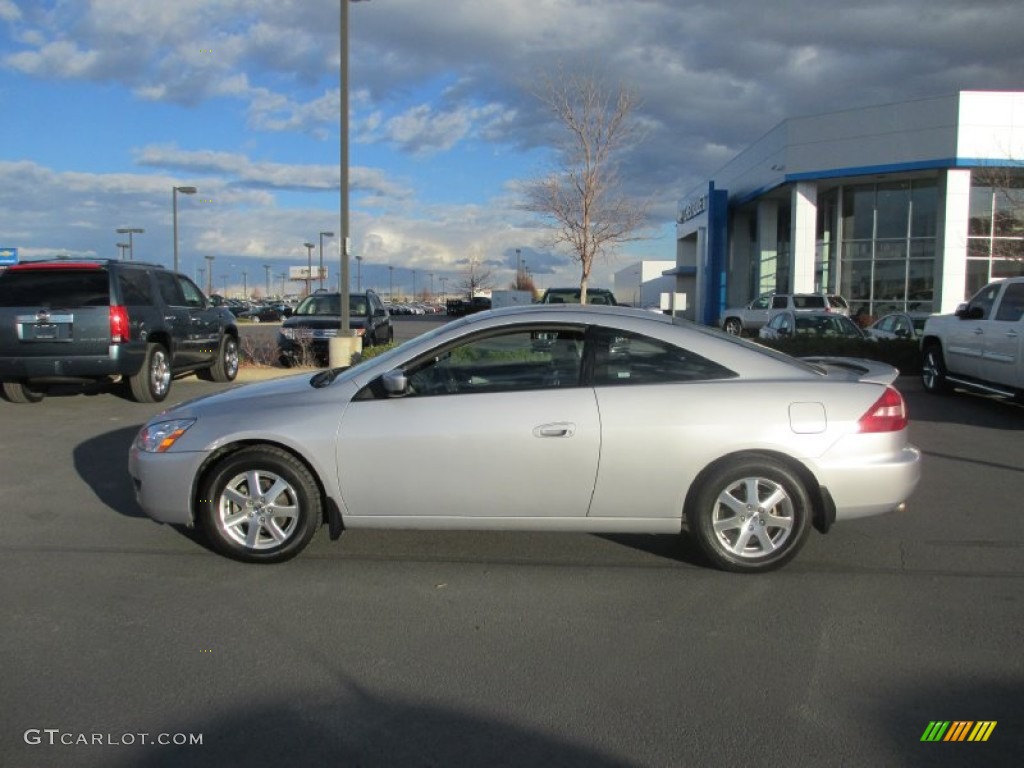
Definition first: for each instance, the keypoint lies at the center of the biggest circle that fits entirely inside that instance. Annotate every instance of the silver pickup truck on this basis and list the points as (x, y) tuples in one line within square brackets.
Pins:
[(981, 346)]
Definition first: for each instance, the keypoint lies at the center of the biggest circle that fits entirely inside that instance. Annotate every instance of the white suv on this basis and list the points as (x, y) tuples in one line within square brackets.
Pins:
[(750, 319)]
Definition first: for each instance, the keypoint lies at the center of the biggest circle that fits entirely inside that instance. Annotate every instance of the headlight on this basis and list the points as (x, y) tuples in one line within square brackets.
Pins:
[(157, 438)]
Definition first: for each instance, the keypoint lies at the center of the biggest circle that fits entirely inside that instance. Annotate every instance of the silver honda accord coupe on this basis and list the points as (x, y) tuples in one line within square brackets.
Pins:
[(543, 418)]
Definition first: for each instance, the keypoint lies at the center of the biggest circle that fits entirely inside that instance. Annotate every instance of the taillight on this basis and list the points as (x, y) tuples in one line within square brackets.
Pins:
[(888, 414), (119, 332)]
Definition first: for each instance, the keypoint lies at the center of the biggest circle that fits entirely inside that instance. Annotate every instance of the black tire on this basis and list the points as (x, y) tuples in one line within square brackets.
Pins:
[(733, 327), (226, 366), (735, 531), (153, 381), (247, 530), (20, 392), (933, 370)]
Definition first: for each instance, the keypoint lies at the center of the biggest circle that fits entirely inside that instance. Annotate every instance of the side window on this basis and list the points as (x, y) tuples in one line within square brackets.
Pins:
[(170, 290), (626, 358), (193, 296), (136, 289), (761, 302), (886, 324), (1011, 308), (984, 299), (507, 362), (778, 302)]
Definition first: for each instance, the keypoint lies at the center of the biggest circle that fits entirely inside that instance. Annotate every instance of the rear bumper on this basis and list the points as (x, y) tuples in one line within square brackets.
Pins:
[(889, 483), (120, 360)]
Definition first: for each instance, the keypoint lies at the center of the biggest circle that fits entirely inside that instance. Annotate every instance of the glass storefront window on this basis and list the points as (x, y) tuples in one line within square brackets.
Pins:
[(1007, 268), (924, 209), (859, 212), (890, 282), (892, 209), (977, 276), (980, 215), (891, 249)]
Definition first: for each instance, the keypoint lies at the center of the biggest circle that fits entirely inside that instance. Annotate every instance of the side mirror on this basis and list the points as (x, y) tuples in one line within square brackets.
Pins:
[(395, 382)]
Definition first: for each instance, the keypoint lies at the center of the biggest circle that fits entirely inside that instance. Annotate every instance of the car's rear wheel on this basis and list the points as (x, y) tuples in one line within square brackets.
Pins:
[(733, 327), (933, 370), (226, 366), (750, 516), (153, 381), (260, 505), (21, 392)]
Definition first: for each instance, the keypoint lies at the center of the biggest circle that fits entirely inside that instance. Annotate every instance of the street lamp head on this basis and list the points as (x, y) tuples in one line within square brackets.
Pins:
[(327, 234), (129, 230), (186, 190), (310, 245)]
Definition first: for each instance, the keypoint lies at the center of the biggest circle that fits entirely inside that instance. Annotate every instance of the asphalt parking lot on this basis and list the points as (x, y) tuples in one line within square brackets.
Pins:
[(404, 648)]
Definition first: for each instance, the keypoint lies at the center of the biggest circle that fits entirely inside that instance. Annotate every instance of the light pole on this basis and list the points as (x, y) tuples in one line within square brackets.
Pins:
[(444, 287), (130, 231), (209, 274), (431, 286), (322, 236), (391, 283), (519, 271), (268, 268), (309, 267), (414, 285), (359, 274), (174, 206), (200, 274), (343, 278), (122, 248), (245, 285)]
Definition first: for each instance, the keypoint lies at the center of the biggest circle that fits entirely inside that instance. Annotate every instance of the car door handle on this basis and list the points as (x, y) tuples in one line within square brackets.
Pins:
[(169, 318), (559, 429)]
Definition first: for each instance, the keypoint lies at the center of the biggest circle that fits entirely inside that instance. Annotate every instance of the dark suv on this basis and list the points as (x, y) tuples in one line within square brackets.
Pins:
[(305, 336), (80, 321)]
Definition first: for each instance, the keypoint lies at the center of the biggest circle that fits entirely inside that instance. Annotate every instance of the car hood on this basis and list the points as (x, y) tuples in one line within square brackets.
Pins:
[(248, 398)]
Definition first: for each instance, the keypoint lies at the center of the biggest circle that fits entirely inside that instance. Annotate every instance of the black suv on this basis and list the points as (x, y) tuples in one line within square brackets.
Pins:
[(305, 336), (81, 321)]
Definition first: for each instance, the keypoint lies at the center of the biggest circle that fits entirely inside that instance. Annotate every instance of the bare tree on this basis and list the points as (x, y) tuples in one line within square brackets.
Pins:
[(474, 279), (582, 197)]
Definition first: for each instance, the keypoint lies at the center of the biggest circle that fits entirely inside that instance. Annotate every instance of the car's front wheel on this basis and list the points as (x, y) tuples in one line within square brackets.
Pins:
[(933, 370), (153, 381), (259, 505), (751, 515), (20, 392), (733, 327)]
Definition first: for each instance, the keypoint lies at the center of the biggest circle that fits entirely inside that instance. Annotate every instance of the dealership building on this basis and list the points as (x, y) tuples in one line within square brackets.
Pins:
[(914, 205)]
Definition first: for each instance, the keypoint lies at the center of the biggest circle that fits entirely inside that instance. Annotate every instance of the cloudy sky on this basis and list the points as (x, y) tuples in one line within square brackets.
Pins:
[(108, 104)]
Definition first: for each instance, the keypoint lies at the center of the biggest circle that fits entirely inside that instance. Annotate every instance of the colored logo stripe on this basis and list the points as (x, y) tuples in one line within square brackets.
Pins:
[(958, 730), (982, 730)]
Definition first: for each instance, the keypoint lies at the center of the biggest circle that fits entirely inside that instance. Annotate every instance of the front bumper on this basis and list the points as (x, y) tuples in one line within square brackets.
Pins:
[(165, 483)]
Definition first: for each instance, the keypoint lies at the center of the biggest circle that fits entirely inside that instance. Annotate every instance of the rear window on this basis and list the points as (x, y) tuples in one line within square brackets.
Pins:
[(55, 289)]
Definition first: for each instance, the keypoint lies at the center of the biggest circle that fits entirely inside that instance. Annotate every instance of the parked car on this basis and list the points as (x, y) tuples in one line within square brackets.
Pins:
[(600, 419), (317, 320), (596, 296), (461, 307), (262, 313), (981, 346), (788, 324), (898, 325), (748, 320), (84, 321)]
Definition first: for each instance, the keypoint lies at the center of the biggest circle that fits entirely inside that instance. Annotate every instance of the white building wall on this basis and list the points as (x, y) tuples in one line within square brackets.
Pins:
[(643, 283), (804, 220), (952, 256)]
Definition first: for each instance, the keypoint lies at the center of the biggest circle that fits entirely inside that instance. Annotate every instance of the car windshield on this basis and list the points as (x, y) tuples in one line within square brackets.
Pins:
[(330, 304)]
